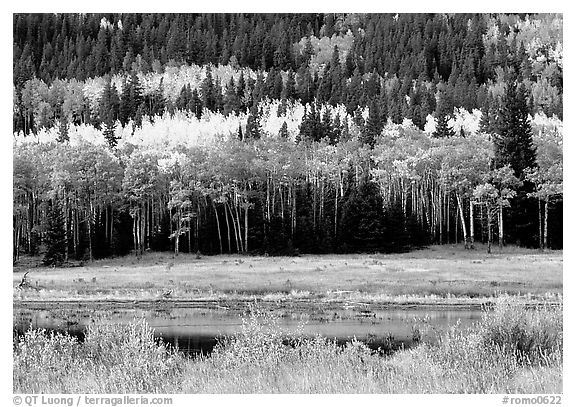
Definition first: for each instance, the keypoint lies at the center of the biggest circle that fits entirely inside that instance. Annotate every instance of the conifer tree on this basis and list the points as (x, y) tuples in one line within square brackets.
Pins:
[(374, 125), (513, 136), (63, 130), (442, 128), (253, 128), (109, 104), (55, 237), (289, 89), (231, 102), (196, 104), (208, 91), (283, 133)]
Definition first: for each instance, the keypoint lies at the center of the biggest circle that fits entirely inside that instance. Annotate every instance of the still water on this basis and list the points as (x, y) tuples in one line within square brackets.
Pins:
[(196, 330)]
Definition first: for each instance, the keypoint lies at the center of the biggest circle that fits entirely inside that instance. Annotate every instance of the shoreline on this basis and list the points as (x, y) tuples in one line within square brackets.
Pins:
[(236, 305)]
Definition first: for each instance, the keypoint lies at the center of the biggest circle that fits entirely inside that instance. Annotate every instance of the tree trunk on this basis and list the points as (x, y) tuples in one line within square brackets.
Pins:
[(546, 223), (335, 212), (189, 235), (66, 228), (500, 225), (463, 220), (457, 216), (90, 231), (246, 227), (540, 231), (471, 224), (489, 222), (197, 230), (217, 225), (227, 227), (76, 232), (239, 228), (448, 218), (177, 232), (233, 225)]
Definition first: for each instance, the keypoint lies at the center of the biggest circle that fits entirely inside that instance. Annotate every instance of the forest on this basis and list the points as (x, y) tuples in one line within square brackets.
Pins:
[(284, 133)]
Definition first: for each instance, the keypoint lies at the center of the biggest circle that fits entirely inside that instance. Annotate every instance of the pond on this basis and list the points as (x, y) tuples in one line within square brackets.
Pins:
[(195, 329)]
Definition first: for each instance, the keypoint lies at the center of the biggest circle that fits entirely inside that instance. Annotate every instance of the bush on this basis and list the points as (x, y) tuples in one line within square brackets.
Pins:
[(533, 335), (114, 358)]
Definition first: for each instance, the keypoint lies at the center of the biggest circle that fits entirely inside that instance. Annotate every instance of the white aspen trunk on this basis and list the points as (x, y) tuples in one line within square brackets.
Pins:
[(314, 203), (489, 222), (177, 232), (462, 220), (142, 230), (90, 231), (234, 226), (268, 198), (500, 225), (456, 222), (246, 227), (106, 224), (217, 225), (471, 224), (540, 231), (281, 203), (448, 218), (546, 223), (197, 230), (440, 214), (273, 198), (75, 232), (111, 225), (189, 236), (227, 228), (66, 228), (293, 211), (321, 201), (237, 220), (336, 212)]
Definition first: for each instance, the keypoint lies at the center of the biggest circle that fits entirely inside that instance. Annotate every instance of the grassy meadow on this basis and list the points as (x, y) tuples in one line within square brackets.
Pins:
[(513, 349), (437, 275)]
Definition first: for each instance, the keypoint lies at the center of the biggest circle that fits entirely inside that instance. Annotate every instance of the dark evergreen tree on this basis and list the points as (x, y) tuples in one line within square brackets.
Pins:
[(109, 104), (374, 124), (196, 104), (283, 133), (363, 219), (55, 236), (231, 102), (513, 135), (240, 133), (63, 130), (131, 98), (289, 89), (253, 128), (442, 128), (208, 91)]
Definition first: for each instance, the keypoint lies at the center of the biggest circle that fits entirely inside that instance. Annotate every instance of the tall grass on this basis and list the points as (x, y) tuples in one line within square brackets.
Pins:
[(512, 350), (114, 358)]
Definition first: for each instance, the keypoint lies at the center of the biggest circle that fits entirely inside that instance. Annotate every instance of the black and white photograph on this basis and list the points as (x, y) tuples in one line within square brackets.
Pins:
[(287, 203)]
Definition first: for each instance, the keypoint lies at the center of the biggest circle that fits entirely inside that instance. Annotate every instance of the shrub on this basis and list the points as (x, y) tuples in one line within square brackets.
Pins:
[(114, 358), (533, 335)]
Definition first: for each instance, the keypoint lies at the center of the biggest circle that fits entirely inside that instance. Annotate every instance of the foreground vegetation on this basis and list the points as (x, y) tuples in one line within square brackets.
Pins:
[(437, 275), (512, 350)]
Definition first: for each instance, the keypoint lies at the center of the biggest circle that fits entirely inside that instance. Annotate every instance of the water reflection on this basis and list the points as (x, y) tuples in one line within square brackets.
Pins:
[(195, 330)]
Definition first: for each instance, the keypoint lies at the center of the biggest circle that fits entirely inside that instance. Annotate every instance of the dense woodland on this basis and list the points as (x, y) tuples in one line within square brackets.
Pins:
[(284, 134)]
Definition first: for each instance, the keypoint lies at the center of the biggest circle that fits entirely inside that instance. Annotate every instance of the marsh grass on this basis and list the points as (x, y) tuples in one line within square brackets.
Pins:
[(113, 358), (511, 350)]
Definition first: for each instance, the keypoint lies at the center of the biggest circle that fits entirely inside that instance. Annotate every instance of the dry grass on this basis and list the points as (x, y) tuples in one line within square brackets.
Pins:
[(512, 350), (435, 275), (113, 358)]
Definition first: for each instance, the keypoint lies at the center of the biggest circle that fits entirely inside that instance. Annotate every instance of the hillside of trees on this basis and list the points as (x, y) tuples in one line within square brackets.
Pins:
[(279, 134)]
